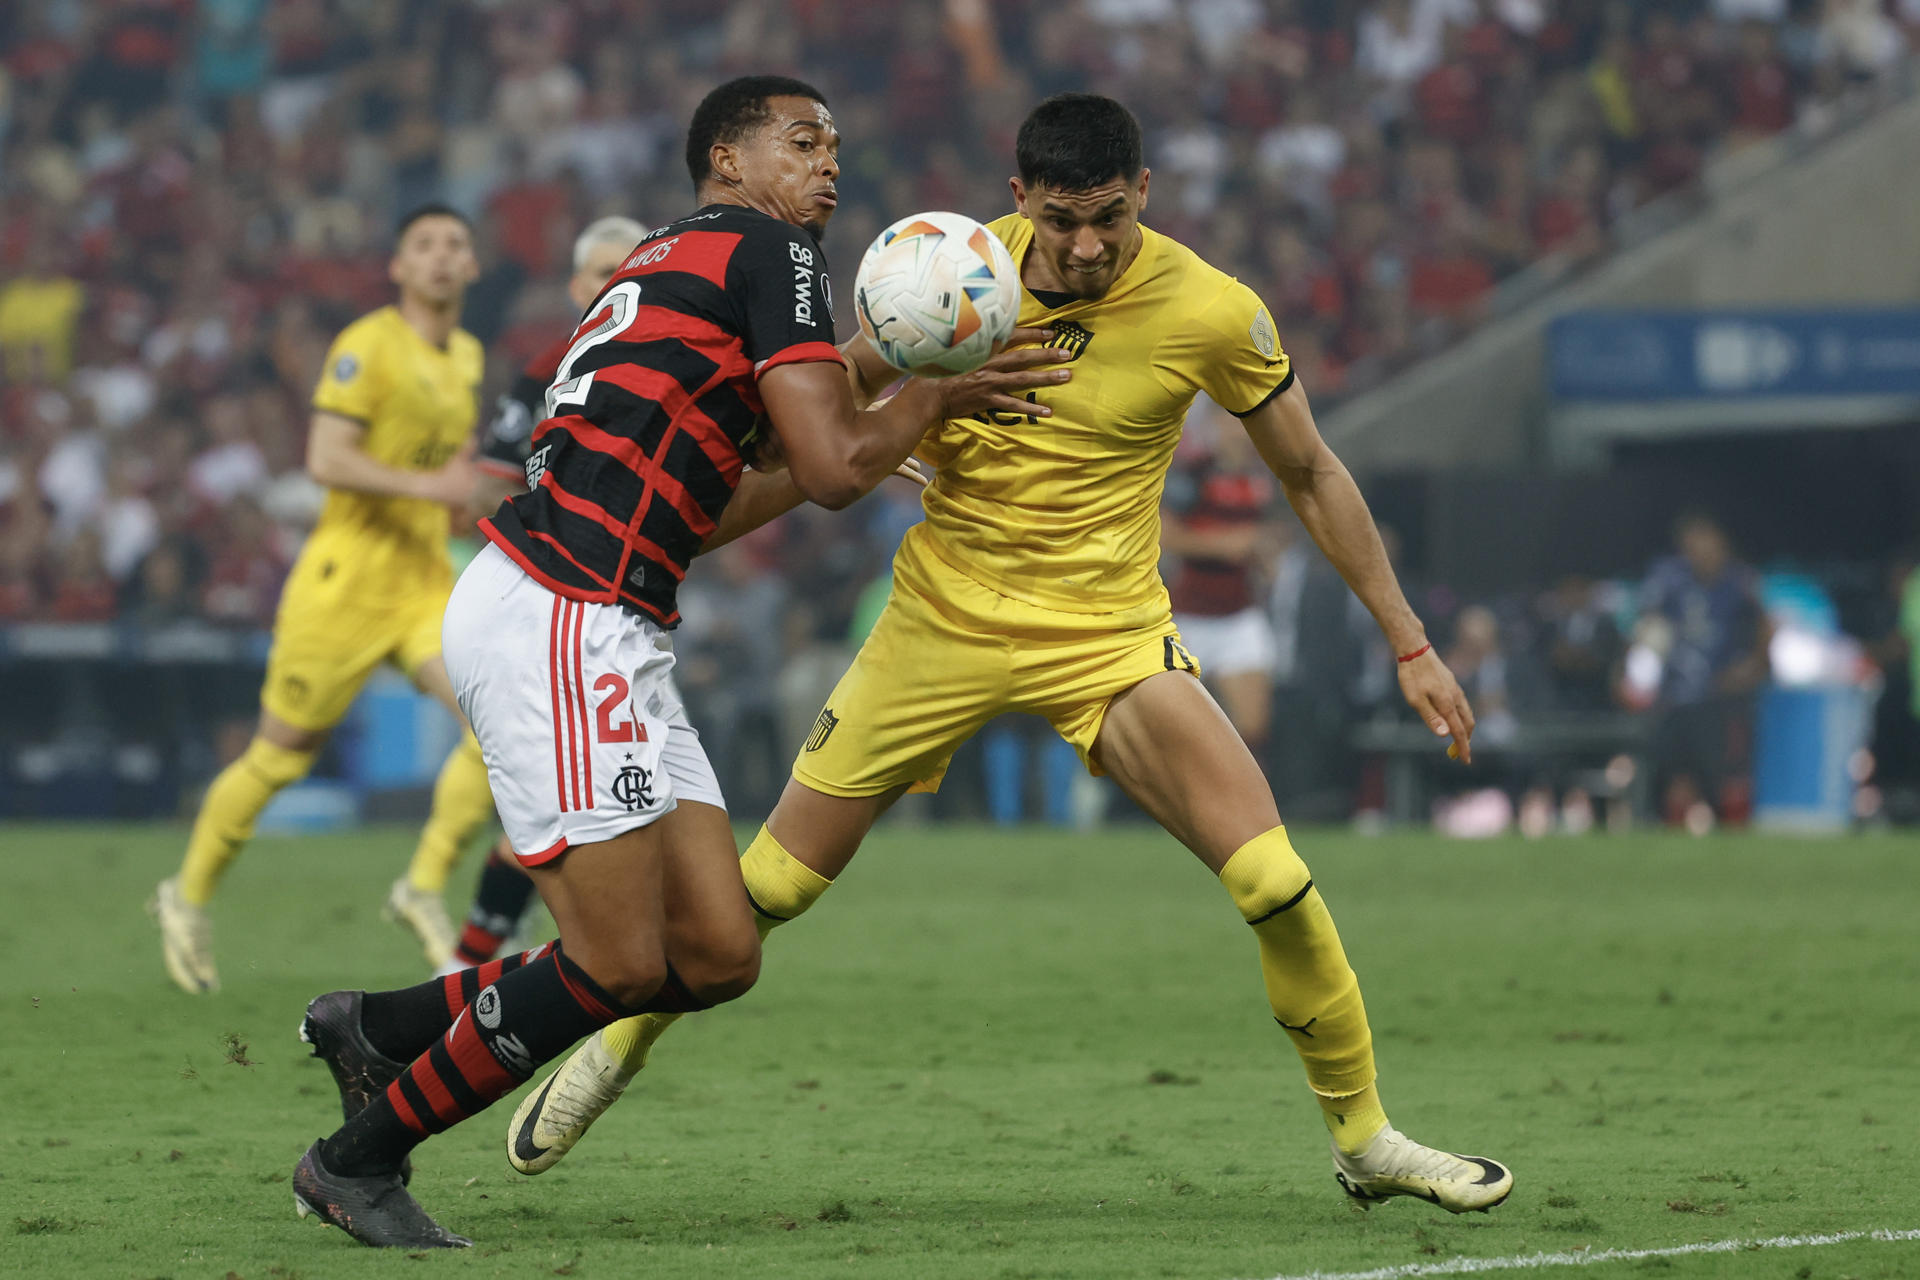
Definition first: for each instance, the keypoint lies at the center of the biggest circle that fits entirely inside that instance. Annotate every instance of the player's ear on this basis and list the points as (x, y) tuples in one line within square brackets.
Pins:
[(1019, 195), (1145, 174), (724, 161)]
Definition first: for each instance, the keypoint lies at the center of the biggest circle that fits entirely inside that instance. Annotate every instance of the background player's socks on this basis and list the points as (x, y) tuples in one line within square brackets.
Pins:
[(779, 886), (401, 1024), (520, 1019), (1310, 985), (462, 801), (227, 815), (1354, 1119), (498, 904)]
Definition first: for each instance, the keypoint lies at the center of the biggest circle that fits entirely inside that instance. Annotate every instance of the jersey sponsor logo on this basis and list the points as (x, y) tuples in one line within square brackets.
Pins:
[(633, 787), (1265, 341), (345, 368), (803, 282), (1071, 337), (822, 730), (651, 253), (537, 465)]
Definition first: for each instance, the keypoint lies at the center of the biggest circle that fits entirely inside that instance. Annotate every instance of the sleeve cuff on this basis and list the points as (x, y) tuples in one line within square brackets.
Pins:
[(1268, 398), (800, 353)]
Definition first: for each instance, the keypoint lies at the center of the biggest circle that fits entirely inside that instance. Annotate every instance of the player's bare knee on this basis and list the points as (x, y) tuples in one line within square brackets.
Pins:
[(630, 971)]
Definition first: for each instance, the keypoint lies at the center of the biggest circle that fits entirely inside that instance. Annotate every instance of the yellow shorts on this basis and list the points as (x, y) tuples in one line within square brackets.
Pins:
[(327, 639), (947, 655)]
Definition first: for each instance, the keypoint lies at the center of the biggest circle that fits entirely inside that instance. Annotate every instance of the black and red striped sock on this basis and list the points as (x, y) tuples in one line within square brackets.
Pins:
[(401, 1024), (510, 1026), (498, 903)]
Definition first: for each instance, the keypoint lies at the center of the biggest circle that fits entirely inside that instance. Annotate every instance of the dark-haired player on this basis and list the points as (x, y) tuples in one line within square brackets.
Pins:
[(717, 327), (1032, 586), (392, 421)]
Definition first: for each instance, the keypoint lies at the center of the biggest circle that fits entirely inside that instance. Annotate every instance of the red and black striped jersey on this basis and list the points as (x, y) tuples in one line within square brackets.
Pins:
[(508, 438), (655, 402)]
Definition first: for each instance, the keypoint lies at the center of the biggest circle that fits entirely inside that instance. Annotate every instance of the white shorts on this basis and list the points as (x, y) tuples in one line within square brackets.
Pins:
[(582, 729), (1229, 644)]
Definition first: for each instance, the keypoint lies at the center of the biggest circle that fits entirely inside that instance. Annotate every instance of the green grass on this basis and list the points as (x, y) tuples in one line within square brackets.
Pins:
[(1020, 1054)]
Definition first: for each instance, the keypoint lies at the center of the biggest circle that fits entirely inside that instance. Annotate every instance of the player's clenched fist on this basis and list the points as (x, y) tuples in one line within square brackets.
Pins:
[(995, 387)]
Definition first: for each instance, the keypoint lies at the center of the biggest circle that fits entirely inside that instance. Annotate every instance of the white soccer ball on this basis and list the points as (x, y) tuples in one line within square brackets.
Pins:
[(937, 294)]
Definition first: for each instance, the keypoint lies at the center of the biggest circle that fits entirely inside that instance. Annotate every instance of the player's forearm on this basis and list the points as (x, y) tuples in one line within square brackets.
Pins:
[(1335, 514), (339, 466), (761, 497)]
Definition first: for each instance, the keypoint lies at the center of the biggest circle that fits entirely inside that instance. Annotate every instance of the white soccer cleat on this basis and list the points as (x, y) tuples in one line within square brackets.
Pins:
[(558, 1113), (425, 915), (186, 939), (1395, 1165)]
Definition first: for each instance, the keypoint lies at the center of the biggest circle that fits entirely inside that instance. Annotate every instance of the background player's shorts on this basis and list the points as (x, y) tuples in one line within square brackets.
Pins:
[(327, 640), (583, 732), (948, 654), (1230, 644)]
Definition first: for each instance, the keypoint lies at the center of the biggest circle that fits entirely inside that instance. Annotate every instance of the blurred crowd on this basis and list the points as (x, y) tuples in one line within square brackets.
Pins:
[(195, 194)]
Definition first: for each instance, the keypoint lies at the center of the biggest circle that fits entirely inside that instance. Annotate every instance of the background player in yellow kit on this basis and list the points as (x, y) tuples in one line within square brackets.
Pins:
[(1032, 586), (391, 435)]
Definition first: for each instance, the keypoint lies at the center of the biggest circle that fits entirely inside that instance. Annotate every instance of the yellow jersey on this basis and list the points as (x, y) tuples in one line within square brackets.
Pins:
[(1063, 512), (418, 403)]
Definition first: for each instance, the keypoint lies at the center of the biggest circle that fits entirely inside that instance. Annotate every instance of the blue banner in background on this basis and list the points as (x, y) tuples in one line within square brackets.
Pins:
[(1698, 355)]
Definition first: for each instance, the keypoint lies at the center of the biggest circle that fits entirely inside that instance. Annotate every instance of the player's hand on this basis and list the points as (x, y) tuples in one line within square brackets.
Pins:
[(996, 386), (454, 483), (1435, 697)]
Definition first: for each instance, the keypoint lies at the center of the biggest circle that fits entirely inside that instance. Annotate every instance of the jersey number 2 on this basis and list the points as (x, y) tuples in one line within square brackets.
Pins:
[(620, 304), (616, 689)]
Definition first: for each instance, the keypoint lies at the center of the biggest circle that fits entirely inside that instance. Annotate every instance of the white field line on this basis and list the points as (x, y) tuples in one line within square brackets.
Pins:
[(1529, 1261)]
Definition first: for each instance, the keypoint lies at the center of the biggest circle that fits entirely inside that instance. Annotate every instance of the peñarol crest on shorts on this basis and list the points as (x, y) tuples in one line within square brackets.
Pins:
[(822, 729)]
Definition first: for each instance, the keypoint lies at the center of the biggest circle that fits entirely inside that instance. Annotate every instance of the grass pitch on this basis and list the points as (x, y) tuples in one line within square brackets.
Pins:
[(1019, 1054)]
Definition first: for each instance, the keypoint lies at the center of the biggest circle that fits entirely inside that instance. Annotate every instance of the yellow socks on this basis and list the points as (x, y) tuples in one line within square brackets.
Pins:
[(461, 802), (227, 815), (780, 887), (1310, 985)]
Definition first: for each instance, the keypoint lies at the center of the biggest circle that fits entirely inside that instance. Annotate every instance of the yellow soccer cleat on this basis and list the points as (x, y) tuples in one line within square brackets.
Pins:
[(559, 1112), (1395, 1165), (425, 915), (186, 939)]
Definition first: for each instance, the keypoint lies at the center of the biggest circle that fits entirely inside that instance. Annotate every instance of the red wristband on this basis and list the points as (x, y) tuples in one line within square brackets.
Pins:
[(1417, 652)]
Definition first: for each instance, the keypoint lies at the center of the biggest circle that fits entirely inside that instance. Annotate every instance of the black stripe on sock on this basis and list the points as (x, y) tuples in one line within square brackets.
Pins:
[(1290, 903), (465, 1096), (760, 910), (469, 985), (418, 1102)]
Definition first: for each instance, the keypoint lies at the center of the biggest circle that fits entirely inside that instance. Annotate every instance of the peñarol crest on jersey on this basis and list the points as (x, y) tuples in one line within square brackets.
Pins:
[(1072, 337), (822, 730)]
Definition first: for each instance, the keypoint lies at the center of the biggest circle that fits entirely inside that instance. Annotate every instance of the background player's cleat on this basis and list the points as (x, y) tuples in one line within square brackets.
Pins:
[(186, 938), (426, 916), (376, 1211), (1395, 1165), (557, 1114)]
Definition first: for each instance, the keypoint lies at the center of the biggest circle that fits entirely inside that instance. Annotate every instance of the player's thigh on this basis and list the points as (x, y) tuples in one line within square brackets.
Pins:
[(922, 684), (418, 644), (1073, 677), (710, 935), (607, 901), (1177, 756), (322, 654), (824, 831)]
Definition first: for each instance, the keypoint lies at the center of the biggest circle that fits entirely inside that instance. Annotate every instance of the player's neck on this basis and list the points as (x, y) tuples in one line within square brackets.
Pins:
[(432, 321)]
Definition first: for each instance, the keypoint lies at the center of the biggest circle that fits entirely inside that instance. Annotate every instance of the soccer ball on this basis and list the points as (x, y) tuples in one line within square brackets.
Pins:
[(937, 294)]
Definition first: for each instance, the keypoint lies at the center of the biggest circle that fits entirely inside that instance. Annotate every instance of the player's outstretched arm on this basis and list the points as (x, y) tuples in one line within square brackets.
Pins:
[(1328, 502), (336, 460), (836, 452)]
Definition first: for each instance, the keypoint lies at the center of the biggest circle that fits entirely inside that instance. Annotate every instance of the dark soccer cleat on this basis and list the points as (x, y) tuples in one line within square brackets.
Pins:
[(362, 1072), (1395, 1165), (376, 1211), (332, 1027)]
